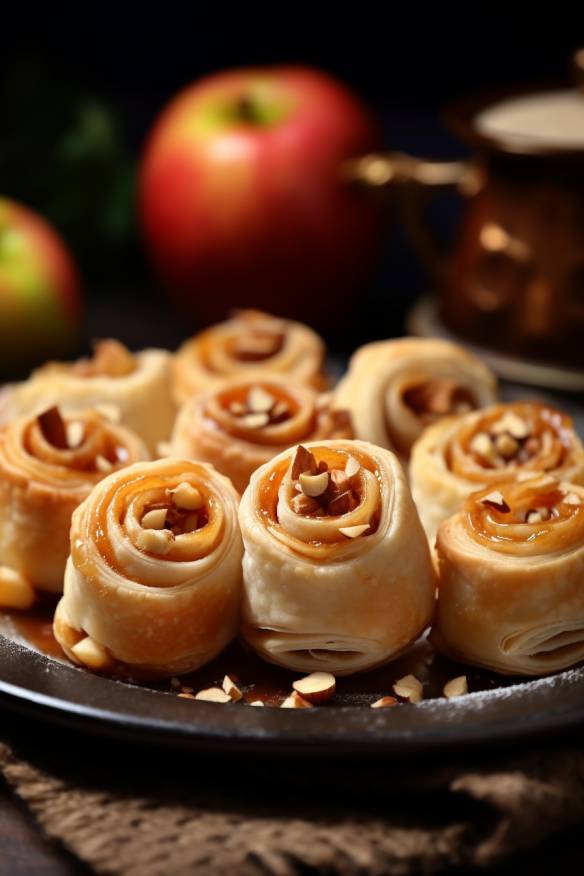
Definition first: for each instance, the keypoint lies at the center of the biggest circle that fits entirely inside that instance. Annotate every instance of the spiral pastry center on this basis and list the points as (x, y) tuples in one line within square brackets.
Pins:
[(537, 514), (434, 399), (520, 436)]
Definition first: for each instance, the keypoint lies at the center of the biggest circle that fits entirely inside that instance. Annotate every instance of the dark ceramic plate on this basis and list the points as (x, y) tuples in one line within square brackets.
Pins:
[(496, 710)]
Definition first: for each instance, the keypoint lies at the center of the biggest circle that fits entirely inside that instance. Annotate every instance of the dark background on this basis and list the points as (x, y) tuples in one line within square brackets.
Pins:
[(78, 93)]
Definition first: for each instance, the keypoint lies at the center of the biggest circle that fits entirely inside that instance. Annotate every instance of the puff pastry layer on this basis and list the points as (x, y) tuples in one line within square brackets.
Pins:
[(395, 389), (48, 465), (338, 592), (457, 456), (247, 422), (251, 344), (511, 595), (154, 576), (135, 387)]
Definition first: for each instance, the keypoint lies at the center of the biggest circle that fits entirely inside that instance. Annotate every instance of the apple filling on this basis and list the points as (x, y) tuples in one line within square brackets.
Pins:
[(434, 399)]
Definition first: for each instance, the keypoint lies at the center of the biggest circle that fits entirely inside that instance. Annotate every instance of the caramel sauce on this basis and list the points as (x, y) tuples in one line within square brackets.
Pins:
[(36, 626)]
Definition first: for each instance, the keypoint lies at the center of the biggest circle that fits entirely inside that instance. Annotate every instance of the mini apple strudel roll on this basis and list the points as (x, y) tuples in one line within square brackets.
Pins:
[(459, 455), (48, 465), (251, 344), (246, 423), (396, 389), (132, 387), (337, 570), (153, 583), (511, 596)]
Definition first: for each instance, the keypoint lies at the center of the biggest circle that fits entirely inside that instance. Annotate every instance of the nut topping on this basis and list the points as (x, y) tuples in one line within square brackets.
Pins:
[(255, 421), (256, 703), (75, 433), (103, 464), (187, 497), (409, 688), (482, 445), (537, 515), (354, 531), (572, 499), (92, 654), (295, 701), (506, 445), (497, 501), (384, 703), (316, 687), (231, 689), (456, 687), (155, 541), (260, 401), (304, 461), (154, 519), (342, 504), (314, 485), (213, 695), (353, 467), (511, 423), (53, 428), (305, 505), (279, 413)]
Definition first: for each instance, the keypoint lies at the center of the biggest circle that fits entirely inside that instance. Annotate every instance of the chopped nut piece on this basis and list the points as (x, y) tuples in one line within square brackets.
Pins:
[(512, 424), (496, 500), (279, 413), (103, 464), (53, 428), (155, 519), (572, 499), (92, 654), (456, 687), (75, 433), (256, 703), (305, 505), (295, 701), (231, 689), (260, 401), (185, 695), (237, 408), (155, 541), (255, 421), (537, 515), (314, 485), (409, 688), (506, 445), (340, 480), (384, 702), (191, 522), (482, 445), (187, 497), (15, 590), (342, 504), (213, 695), (316, 687), (304, 461), (352, 467), (354, 531), (322, 466)]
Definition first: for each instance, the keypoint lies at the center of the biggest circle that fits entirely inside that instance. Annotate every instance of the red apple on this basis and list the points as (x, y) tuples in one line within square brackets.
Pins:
[(242, 201), (39, 289)]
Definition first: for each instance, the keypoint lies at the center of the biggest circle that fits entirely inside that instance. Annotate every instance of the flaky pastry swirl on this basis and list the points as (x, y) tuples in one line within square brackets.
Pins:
[(511, 571), (155, 569), (338, 592), (250, 344)]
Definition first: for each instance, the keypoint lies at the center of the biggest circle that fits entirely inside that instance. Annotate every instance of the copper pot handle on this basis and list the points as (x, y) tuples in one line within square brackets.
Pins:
[(413, 180)]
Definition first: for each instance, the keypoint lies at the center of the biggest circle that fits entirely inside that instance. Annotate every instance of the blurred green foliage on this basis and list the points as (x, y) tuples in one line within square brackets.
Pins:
[(62, 152)]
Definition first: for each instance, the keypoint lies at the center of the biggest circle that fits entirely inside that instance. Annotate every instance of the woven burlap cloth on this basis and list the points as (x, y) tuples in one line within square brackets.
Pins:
[(151, 812)]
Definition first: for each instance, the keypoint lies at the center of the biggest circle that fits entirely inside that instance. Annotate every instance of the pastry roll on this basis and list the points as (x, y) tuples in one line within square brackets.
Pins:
[(132, 386), (337, 571), (48, 465), (511, 595), (457, 456), (153, 583), (395, 389), (250, 344), (247, 422)]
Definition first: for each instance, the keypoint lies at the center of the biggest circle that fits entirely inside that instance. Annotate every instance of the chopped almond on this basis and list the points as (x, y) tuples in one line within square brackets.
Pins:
[(496, 500), (15, 590), (316, 687), (260, 401), (572, 499), (102, 464), (384, 703), (231, 689), (513, 424), (256, 703), (354, 531), (353, 467), (342, 504), (296, 701), (154, 519), (506, 445), (409, 688), (75, 433), (456, 687), (304, 461), (155, 541), (213, 695), (305, 505), (314, 485), (92, 654), (187, 497), (279, 413), (255, 421)]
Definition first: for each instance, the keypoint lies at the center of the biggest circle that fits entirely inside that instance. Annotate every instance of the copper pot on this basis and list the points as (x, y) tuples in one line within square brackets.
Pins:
[(514, 280)]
